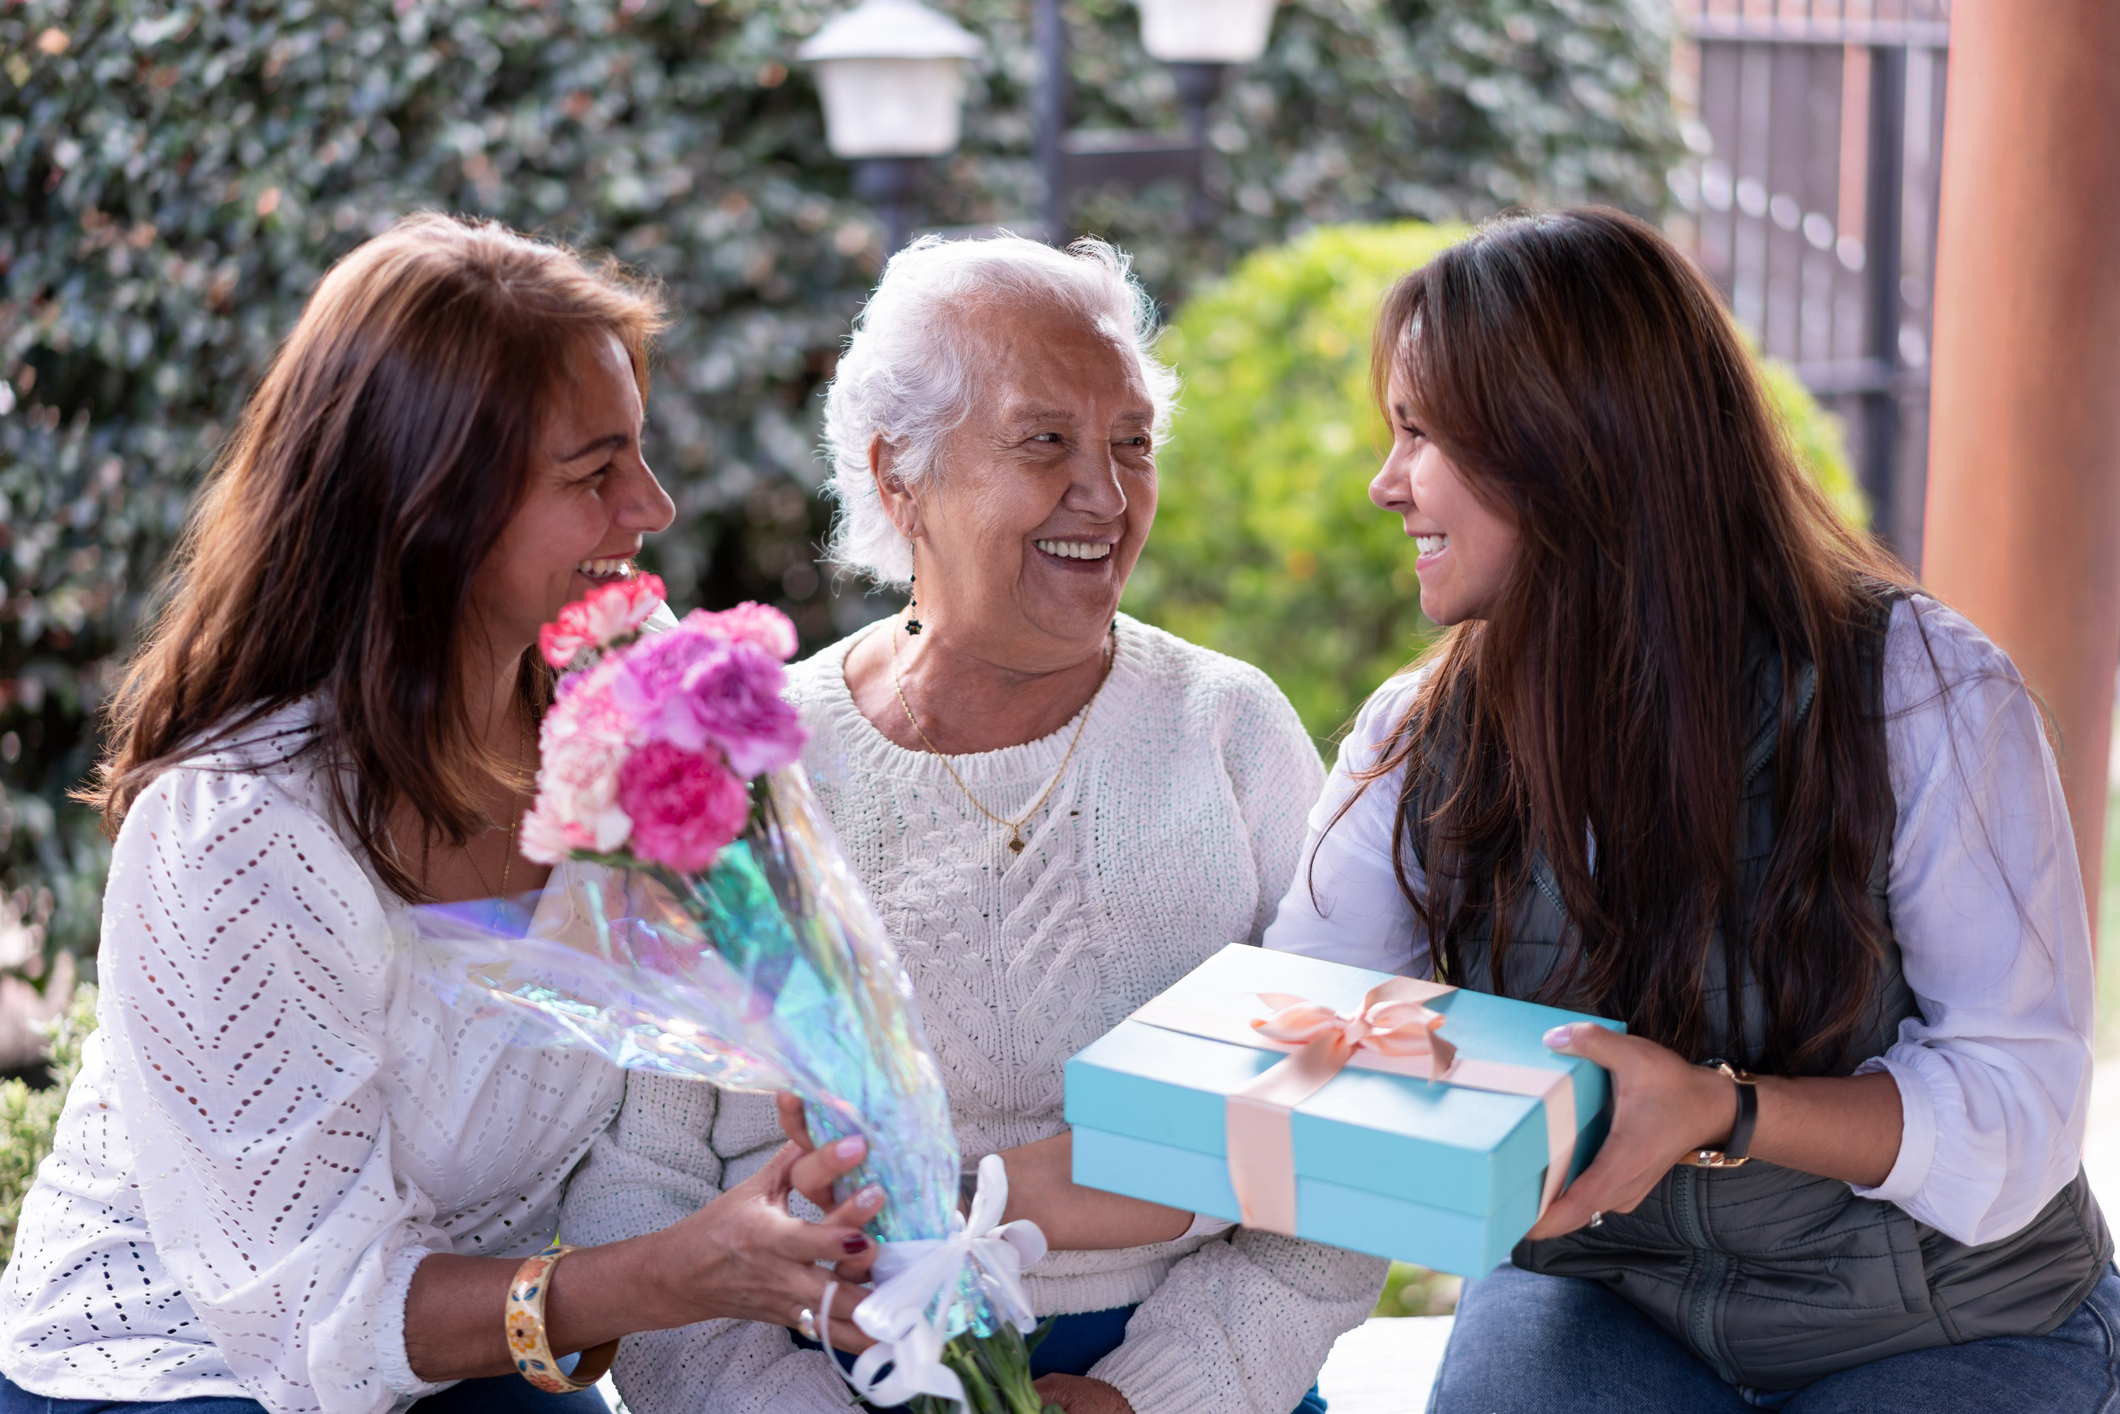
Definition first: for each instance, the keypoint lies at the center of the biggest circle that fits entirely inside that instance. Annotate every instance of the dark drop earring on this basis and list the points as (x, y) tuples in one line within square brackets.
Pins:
[(912, 606)]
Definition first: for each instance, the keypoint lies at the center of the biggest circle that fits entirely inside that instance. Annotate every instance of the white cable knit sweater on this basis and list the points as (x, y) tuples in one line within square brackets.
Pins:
[(1174, 833)]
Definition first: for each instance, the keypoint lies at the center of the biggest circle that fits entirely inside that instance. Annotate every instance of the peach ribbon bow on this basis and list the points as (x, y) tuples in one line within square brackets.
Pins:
[(1392, 1030), (1396, 1026)]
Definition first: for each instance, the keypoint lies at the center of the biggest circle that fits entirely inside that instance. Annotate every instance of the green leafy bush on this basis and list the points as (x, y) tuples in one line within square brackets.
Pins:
[(1417, 1291), (175, 174), (1266, 544), (28, 1116)]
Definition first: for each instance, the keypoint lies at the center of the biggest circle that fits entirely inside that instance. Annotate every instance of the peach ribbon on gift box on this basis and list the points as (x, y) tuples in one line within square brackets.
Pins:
[(1394, 1030)]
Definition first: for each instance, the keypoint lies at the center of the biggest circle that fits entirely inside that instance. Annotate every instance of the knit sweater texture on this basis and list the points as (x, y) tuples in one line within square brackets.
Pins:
[(1173, 833)]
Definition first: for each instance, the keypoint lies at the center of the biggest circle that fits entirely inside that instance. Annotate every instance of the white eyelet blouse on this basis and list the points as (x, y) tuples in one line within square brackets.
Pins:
[(275, 1122)]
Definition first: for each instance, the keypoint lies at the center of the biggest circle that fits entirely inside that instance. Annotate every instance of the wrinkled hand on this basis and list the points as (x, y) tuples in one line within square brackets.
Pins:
[(1663, 1107), (744, 1256), (1079, 1395)]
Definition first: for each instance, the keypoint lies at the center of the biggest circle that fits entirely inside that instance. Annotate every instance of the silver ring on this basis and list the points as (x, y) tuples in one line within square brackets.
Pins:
[(1597, 1219), (806, 1322)]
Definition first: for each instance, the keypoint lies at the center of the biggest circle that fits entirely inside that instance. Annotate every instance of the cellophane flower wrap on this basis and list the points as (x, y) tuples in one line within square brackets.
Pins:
[(720, 934)]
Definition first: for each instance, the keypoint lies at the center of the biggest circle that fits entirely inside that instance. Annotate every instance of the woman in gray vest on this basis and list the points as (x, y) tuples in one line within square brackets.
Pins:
[(1697, 756)]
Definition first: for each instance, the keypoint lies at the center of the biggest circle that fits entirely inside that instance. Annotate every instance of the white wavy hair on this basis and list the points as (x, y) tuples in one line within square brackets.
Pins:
[(907, 371)]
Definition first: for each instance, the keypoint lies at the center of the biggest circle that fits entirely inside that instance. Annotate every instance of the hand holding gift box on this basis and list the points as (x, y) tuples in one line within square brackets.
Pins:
[(1384, 1114)]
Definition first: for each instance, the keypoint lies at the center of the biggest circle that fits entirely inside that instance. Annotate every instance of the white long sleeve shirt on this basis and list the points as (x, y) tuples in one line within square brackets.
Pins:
[(1994, 1073), (275, 1122)]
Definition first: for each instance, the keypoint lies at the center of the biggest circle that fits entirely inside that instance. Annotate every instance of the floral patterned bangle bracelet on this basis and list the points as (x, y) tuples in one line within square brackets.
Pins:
[(527, 1343)]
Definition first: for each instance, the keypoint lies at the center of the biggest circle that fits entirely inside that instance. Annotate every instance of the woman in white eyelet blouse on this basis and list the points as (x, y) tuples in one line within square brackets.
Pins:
[(274, 1123), (289, 1177)]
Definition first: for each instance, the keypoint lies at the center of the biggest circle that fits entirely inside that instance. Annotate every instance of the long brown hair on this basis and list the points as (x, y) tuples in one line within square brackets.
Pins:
[(332, 551), (1585, 381)]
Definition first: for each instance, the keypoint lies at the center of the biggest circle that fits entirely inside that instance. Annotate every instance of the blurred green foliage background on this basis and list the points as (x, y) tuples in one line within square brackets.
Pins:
[(175, 174), (29, 1115)]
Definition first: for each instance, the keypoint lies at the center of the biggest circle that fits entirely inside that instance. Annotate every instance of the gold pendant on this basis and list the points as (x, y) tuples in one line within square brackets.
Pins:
[(1015, 843)]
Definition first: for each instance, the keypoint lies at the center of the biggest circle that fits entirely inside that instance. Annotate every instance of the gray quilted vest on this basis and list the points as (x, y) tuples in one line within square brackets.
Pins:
[(1776, 1278)]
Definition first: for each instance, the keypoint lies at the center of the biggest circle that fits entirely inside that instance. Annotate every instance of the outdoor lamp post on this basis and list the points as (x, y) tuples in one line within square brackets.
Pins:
[(891, 73), (1201, 40), (1205, 31)]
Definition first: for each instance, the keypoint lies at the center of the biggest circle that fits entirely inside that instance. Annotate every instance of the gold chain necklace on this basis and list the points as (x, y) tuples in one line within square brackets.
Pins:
[(515, 816), (1015, 827)]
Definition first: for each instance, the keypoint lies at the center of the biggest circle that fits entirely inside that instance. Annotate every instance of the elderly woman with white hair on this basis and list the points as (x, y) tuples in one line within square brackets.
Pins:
[(1059, 810)]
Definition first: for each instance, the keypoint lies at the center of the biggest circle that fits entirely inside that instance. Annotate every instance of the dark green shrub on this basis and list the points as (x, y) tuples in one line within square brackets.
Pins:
[(29, 1117)]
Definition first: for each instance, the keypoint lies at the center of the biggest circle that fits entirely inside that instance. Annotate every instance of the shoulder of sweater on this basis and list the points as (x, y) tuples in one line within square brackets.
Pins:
[(1201, 678), (1196, 680), (811, 679)]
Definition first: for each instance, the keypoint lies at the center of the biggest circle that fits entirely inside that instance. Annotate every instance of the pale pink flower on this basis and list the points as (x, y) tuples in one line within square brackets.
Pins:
[(601, 617), (542, 837), (582, 746), (684, 806), (761, 624)]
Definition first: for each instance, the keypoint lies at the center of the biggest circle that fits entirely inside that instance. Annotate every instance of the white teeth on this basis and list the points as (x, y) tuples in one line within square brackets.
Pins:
[(1429, 544), (1074, 549), (606, 569)]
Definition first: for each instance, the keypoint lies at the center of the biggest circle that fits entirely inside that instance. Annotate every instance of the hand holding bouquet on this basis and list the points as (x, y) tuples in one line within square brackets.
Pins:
[(716, 932)]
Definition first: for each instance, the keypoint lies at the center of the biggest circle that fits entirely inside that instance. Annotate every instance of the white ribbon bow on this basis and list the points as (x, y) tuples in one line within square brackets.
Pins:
[(910, 1275)]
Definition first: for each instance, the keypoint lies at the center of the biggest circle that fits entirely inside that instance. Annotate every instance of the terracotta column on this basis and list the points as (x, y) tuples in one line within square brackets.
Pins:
[(2023, 529)]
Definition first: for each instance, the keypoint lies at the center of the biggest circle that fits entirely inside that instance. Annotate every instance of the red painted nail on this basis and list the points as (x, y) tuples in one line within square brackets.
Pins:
[(856, 1243)]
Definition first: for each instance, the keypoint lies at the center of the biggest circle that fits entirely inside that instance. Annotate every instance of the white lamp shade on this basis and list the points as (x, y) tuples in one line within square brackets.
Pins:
[(1205, 31), (891, 73), (891, 107)]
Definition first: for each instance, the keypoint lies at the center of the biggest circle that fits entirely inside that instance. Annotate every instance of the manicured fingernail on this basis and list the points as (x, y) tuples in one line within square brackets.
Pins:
[(869, 1197), (856, 1243), (850, 1148), (1560, 1036)]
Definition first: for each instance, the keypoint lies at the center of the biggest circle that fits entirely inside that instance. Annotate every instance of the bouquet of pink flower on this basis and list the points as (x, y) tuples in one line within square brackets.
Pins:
[(649, 751), (717, 932)]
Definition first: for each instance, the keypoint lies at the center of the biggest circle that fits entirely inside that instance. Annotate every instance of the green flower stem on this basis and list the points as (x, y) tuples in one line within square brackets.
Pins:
[(996, 1371)]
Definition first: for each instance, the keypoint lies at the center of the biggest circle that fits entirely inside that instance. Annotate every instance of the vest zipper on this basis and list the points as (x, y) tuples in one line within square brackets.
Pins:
[(1542, 876), (1763, 748), (1710, 1269)]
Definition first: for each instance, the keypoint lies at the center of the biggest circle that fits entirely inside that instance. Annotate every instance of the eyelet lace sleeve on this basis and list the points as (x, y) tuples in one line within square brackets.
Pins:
[(246, 960)]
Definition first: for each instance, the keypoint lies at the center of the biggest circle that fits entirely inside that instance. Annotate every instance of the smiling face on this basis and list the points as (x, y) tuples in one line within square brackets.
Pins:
[(1466, 546), (1041, 500), (588, 499)]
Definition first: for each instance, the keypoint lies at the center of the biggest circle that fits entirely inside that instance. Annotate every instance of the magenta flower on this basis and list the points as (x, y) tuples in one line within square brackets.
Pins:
[(684, 806), (698, 691)]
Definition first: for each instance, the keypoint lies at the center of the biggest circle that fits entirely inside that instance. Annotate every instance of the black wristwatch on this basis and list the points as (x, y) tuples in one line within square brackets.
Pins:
[(1734, 1152)]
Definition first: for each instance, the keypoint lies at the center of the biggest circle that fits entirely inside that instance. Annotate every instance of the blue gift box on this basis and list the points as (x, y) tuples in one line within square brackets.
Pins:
[(1421, 1170)]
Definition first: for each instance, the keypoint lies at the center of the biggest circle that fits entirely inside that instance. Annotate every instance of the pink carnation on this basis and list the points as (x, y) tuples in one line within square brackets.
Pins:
[(684, 806), (607, 613), (761, 624), (700, 692), (581, 747)]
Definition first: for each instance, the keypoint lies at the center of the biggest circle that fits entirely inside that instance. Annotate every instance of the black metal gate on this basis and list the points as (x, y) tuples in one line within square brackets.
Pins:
[(1810, 200)]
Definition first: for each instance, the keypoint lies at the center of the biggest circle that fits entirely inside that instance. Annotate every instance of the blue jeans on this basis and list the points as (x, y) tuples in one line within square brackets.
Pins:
[(496, 1394), (1529, 1344), (1070, 1346)]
